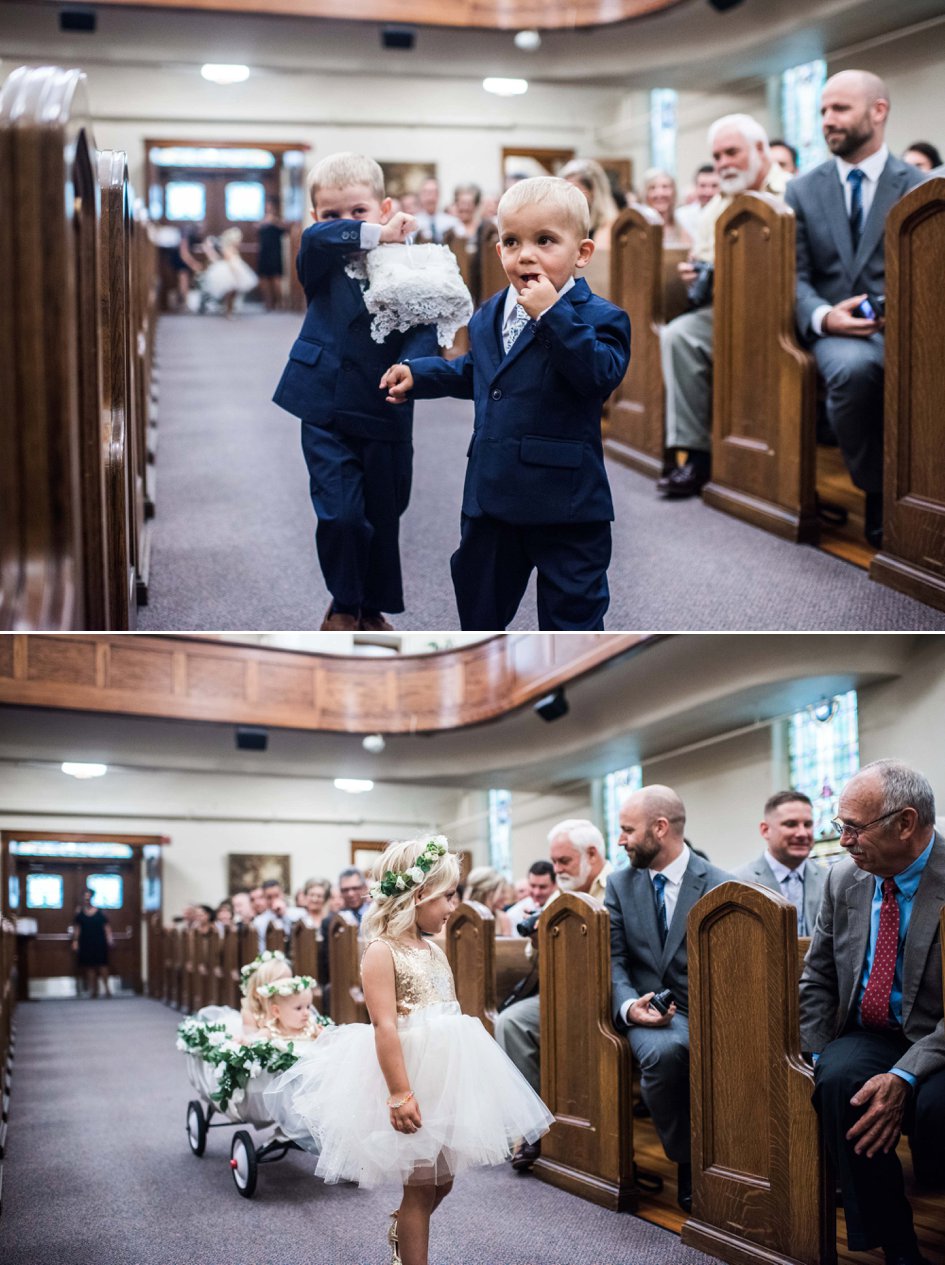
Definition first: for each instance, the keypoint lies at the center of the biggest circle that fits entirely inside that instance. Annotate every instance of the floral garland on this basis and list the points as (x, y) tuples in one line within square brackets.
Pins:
[(286, 987), (267, 955), (234, 1064), (394, 883)]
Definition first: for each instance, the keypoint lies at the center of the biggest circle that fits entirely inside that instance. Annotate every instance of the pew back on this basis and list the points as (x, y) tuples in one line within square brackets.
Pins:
[(344, 972), (491, 270), (470, 948)]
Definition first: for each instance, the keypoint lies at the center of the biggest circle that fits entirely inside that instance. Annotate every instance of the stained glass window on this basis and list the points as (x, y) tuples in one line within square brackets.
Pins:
[(663, 129), (801, 87), (617, 786), (824, 753), (500, 831)]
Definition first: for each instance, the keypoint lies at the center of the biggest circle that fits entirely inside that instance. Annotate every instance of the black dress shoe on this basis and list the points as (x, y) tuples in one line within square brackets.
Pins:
[(688, 480), (525, 1156), (670, 465), (873, 519), (684, 1186)]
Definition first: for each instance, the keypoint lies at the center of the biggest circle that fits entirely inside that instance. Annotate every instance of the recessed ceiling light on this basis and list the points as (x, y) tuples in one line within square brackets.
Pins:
[(374, 743), (506, 87), (220, 72), (353, 785), (527, 41), (84, 770)]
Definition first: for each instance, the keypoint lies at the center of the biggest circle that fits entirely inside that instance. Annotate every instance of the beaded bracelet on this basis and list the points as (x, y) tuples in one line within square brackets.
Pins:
[(401, 1101)]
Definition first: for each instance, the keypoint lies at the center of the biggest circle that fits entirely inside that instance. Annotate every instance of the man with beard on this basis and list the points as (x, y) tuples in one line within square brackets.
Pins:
[(577, 852), (841, 208), (648, 903), (743, 161)]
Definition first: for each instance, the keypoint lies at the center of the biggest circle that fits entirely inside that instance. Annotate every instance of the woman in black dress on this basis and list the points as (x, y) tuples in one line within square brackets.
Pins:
[(91, 941), (269, 270)]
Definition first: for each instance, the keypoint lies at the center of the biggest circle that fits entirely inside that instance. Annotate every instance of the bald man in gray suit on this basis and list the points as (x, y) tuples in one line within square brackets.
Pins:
[(648, 904)]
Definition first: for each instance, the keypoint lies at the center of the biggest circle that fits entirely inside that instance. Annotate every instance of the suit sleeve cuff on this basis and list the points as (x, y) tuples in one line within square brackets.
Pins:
[(370, 236), (817, 319), (906, 1076)]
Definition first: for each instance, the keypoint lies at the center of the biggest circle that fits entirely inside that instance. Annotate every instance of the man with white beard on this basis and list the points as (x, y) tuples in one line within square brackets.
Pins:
[(742, 159), (577, 852)]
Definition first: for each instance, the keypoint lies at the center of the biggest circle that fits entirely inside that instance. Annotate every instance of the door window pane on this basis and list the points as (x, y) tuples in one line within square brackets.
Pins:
[(185, 200), (245, 200), (14, 891), (106, 890), (44, 891)]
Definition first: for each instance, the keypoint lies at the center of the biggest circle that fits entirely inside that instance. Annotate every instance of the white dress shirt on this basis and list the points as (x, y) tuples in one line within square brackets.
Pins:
[(673, 874)]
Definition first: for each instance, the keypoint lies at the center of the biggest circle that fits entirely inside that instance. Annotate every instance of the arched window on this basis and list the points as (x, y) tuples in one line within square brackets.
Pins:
[(500, 831), (616, 787), (824, 753)]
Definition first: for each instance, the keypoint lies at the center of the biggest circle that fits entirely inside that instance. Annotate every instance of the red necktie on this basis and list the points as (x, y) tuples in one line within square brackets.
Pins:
[(874, 1010)]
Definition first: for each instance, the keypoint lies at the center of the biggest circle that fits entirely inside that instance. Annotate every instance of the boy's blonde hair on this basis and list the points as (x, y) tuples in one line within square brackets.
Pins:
[(396, 915), (337, 171), (568, 200), (255, 1007)]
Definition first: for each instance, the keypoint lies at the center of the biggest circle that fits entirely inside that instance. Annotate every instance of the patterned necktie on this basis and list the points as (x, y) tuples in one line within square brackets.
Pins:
[(855, 180), (514, 326), (793, 887), (659, 884), (874, 1011)]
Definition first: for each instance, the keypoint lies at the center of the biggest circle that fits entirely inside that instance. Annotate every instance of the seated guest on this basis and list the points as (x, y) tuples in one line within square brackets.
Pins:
[(258, 900), (785, 156), (542, 887), (202, 922), (659, 193), (223, 916), (788, 832), (579, 855), (487, 886), (648, 905), (242, 906), (841, 208), (922, 155), (871, 1005), (705, 187), (465, 209), (590, 177), (276, 911), (315, 896), (355, 899), (432, 223), (740, 153)]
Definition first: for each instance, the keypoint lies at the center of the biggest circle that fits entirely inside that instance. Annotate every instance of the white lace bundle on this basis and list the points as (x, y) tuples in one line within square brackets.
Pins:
[(414, 285)]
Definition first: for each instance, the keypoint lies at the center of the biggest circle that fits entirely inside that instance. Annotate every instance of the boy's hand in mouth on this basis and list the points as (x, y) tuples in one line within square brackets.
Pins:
[(537, 295)]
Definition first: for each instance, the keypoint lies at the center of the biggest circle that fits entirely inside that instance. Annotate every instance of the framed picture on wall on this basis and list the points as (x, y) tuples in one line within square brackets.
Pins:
[(249, 869), (401, 178), (365, 853)]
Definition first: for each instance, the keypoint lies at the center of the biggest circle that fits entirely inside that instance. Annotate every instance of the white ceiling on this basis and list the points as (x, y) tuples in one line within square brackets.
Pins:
[(688, 46), (672, 693)]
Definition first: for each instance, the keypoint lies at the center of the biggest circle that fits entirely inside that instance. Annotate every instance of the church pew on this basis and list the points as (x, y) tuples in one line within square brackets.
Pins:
[(7, 1005), (675, 291), (303, 949), (346, 1001), (598, 272), (760, 1186), (156, 947), (764, 384), (470, 948), (634, 432), (491, 270), (466, 264), (188, 971), (585, 1064), (912, 559)]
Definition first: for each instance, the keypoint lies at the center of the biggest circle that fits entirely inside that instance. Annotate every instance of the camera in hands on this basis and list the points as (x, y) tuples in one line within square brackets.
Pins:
[(527, 926), (662, 1001)]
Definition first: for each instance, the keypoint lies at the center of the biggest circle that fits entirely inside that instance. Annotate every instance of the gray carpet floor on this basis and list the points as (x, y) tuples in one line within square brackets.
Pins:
[(98, 1172), (233, 543)]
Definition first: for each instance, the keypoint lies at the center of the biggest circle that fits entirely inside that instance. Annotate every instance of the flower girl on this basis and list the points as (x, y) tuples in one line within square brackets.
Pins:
[(423, 1092)]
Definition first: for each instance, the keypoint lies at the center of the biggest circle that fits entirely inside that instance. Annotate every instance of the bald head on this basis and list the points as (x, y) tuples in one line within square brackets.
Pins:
[(652, 821), (853, 110)]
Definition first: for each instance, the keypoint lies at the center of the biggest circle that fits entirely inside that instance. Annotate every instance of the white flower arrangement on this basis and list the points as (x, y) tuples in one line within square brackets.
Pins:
[(233, 1063), (393, 882), (267, 955), (286, 987)]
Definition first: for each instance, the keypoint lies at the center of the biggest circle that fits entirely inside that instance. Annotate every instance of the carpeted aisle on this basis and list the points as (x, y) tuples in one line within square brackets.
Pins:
[(98, 1172), (233, 543)]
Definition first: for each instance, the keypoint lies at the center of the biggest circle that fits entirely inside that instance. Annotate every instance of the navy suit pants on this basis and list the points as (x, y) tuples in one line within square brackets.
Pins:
[(494, 561), (852, 370), (359, 489)]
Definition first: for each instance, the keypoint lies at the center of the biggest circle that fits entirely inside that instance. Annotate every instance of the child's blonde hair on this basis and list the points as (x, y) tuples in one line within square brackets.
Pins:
[(396, 915), (568, 200), (337, 171), (255, 1007)]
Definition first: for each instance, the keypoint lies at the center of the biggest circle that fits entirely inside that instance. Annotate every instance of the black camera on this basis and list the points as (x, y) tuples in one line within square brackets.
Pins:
[(527, 926), (700, 291), (662, 1001), (871, 310)]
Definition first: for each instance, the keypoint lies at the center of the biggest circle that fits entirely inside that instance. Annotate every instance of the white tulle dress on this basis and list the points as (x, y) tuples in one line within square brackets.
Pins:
[(474, 1104)]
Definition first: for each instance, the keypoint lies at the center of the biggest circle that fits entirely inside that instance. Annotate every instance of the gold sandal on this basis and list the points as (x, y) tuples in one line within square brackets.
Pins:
[(393, 1241)]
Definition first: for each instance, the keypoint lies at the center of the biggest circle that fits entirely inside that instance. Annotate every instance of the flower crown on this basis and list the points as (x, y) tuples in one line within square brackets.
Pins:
[(395, 882), (267, 955), (286, 987)]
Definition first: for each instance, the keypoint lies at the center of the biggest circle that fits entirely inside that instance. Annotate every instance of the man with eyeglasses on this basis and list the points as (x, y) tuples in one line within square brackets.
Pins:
[(784, 866), (871, 1004), (354, 895)]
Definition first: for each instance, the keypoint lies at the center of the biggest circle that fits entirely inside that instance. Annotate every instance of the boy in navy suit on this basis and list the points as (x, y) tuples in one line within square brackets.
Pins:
[(545, 355), (357, 447)]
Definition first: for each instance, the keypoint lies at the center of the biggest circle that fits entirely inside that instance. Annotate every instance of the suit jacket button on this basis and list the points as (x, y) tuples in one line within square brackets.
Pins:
[(497, 394)]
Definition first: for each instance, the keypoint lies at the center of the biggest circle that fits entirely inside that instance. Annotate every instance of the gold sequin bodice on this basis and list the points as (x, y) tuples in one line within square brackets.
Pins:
[(422, 975)]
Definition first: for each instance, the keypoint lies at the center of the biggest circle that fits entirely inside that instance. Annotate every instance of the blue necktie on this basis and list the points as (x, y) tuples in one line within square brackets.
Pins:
[(793, 886), (855, 179), (659, 884)]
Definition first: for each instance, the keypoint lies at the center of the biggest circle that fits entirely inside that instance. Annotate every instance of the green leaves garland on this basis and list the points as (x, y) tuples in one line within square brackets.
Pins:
[(393, 883), (234, 1064)]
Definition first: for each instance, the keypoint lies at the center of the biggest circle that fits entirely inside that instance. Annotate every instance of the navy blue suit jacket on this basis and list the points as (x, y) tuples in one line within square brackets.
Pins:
[(335, 365), (536, 454)]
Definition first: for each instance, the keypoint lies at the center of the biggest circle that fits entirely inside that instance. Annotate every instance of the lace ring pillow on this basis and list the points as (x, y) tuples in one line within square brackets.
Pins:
[(413, 285)]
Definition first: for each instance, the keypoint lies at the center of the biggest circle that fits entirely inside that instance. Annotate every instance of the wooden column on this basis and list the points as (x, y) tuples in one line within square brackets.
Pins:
[(585, 1065), (763, 420), (759, 1188), (912, 559), (470, 947)]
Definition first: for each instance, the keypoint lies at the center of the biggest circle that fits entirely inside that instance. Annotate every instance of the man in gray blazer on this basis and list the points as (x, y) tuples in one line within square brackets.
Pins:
[(841, 208), (648, 905), (871, 1004), (788, 831)]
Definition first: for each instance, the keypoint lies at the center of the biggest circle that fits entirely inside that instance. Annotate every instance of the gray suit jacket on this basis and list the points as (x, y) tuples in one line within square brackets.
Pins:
[(638, 964), (759, 871), (827, 268), (834, 964)]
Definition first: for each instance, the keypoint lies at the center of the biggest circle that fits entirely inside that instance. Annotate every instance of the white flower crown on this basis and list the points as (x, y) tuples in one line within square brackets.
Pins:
[(395, 882), (267, 955), (286, 987)]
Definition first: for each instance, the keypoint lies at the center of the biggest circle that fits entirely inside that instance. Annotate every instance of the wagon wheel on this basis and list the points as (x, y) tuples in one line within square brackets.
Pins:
[(196, 1127), (243, 1163)]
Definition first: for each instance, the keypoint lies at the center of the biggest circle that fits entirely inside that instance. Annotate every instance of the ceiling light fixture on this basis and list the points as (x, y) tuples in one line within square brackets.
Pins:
[(527, 41), (353, 785), (506, 87), (374, 743), (84, 770), (220, 72)]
